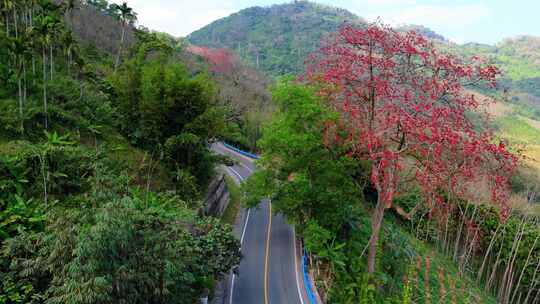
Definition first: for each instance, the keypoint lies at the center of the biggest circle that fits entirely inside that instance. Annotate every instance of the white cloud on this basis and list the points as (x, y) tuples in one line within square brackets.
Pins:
[(436, 16), (179, 18), (388, 2)]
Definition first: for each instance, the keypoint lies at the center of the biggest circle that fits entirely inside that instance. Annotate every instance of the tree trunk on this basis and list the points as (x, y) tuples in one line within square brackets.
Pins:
[(25, 84), (446, 240), (257, 59), (524, 268), (488, 251), (51, 59), (19, 84), (7, 24), (69, 62), (468, 246), (44, 174), (494, 268), (45, 87), (458, 238), (15, 21), (376, 223), (504, 290), (120, 48), (26, 18)]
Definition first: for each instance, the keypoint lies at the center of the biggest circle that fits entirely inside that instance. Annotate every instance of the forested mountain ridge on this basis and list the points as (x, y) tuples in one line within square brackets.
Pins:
[(274, 39), (278, 38)]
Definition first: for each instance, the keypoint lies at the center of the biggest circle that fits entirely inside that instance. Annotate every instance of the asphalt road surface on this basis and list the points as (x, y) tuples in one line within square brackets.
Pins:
[(269, 272)]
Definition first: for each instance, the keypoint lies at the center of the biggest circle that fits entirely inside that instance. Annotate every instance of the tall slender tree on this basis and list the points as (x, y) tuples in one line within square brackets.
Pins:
[(42, 33), (7, 7), (68, 7), (18, 50), (15, 19), (127, 17), (69, 45)]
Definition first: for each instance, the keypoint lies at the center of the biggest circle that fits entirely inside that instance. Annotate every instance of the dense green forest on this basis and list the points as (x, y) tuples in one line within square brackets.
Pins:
[(465, 256), (104, 160)]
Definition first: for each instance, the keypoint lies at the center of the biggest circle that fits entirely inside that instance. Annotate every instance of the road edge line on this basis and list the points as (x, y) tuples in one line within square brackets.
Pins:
[(266, 298), (237, 175), (240, 179), (296, 268)]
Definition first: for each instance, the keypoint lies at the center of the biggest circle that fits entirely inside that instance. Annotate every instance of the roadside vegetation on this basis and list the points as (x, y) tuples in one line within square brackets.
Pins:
[(104, 162), (396, 223), (235, 199)]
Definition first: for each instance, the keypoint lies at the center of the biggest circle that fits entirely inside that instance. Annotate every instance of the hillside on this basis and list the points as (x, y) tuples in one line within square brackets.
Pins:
[(518, 58), (275, 39), (93, 27), (244, 90)]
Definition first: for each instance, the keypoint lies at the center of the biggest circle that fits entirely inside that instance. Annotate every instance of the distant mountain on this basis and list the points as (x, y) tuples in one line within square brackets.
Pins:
[(518, 58), (275, 39), (425, 31)]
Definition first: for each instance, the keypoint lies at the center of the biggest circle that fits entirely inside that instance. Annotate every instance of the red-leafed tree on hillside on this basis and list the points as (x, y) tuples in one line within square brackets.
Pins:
[(220, 60), (406, 110)]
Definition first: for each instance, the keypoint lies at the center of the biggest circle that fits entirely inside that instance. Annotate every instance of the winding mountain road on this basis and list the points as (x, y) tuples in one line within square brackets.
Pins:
[(270, 270)]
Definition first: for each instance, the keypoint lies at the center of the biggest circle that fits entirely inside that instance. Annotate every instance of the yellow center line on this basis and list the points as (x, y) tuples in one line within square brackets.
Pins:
[(266, 299)]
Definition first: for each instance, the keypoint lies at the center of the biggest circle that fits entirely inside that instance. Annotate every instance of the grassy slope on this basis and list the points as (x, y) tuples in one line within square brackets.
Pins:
[(466, 290), (229, 216), (524, 133)]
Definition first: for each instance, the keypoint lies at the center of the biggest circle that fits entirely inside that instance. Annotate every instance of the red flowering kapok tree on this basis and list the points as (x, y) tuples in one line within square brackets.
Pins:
[(220, 60), (406, 111)]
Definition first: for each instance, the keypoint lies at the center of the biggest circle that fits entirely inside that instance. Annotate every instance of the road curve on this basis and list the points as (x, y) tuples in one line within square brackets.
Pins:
[(269, 271)]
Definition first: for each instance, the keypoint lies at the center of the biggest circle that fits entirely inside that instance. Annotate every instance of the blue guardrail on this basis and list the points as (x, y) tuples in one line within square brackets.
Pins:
[(250, 155), (307, 281)]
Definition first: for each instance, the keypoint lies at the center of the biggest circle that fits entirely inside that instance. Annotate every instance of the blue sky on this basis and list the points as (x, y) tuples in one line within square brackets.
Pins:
[(485, 21)]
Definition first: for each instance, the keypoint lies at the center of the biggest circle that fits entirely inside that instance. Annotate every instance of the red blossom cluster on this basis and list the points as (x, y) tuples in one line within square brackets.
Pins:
[(405, 108), (220, 60)]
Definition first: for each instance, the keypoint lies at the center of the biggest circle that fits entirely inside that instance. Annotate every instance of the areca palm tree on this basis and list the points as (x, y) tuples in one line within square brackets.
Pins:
[(69, 46), (49, 25), (42, 33), (7, 7), (69, 6), (15, 19), (127, 16), (55, 29), (18, 49)]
